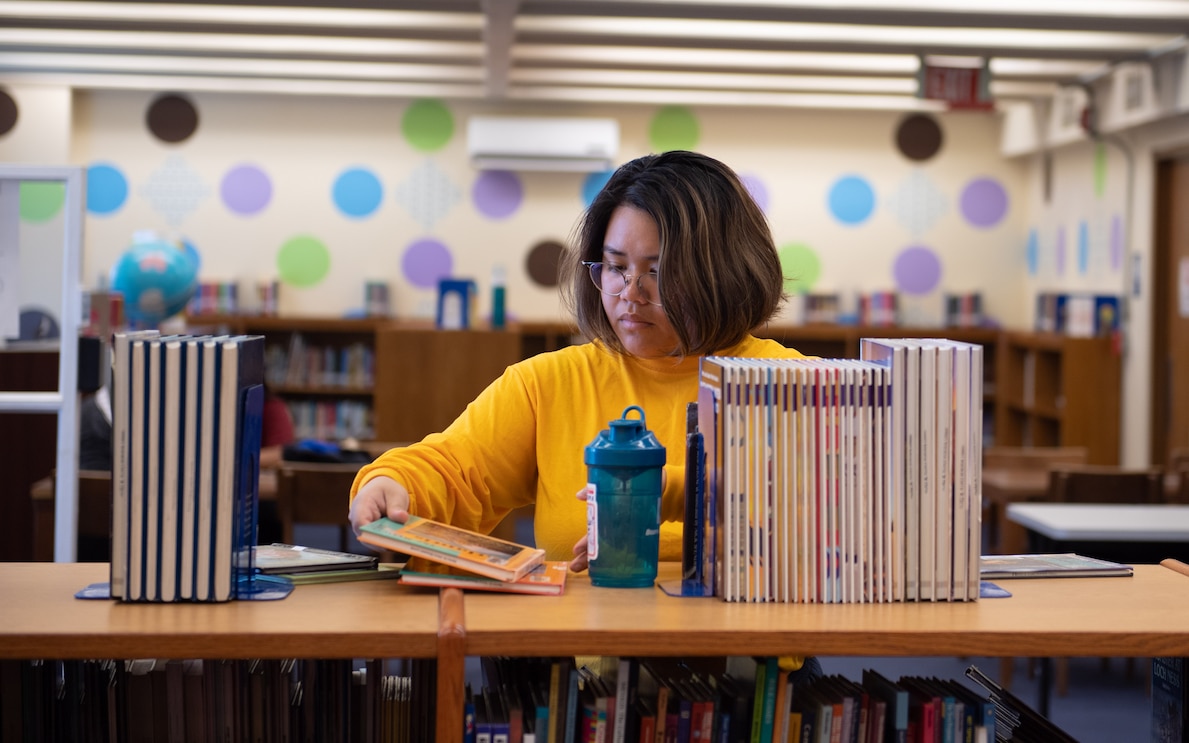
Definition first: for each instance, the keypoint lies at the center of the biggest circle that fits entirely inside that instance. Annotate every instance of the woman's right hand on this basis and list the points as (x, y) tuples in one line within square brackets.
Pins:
[(379, 497)]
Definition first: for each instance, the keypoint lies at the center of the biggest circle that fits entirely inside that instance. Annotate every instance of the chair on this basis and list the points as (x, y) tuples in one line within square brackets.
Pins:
[(1178, 471), (314, 493), (93, 527)]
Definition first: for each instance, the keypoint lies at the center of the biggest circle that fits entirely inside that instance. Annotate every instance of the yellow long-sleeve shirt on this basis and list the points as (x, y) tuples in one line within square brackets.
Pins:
[(522, 440)]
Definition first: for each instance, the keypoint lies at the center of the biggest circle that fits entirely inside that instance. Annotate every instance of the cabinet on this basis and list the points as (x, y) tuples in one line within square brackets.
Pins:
[(1110, 617), (1055, 390)]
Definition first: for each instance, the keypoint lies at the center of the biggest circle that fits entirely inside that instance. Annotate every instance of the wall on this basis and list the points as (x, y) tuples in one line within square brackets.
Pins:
[(922, 227)]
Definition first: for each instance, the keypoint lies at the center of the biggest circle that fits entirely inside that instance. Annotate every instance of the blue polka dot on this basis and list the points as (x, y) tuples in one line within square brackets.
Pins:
[(1083, 248), (592, 184), (1033, 253), (107, 189), (357, 192), (851, 199)]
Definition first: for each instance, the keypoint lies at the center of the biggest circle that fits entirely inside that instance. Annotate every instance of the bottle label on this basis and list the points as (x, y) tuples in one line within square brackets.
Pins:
[(592, 523)]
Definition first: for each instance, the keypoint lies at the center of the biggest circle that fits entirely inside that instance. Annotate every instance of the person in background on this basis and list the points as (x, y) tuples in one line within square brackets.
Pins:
[(277, 430), (673, 260)]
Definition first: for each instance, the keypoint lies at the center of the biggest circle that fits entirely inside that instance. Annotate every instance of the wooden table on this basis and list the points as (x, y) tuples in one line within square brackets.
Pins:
[(1130, 533)]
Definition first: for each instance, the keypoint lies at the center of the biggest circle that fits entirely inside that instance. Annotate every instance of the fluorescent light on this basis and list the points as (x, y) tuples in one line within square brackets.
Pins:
[(760, 60), (654, 96)]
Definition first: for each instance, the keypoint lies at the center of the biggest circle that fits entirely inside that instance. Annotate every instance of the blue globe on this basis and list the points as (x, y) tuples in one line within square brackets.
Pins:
[(157, 279)]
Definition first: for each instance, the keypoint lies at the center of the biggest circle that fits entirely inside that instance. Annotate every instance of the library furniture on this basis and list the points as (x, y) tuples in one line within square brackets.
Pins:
[(1117, 617), (1012, 474), (1123, 532), (314, 493)]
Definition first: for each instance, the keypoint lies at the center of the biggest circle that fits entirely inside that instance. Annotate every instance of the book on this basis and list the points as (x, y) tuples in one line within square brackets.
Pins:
[(383, 571), (547, 579), (1058, 565), (453, 545), (1170, 694), (278, 558)]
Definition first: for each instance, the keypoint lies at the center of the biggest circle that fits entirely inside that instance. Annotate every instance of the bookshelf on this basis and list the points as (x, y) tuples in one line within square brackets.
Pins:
[(1112, 617), (1059, 391)]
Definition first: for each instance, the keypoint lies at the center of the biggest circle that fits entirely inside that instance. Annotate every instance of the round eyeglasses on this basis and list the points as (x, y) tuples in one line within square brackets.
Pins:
[(613, 281)]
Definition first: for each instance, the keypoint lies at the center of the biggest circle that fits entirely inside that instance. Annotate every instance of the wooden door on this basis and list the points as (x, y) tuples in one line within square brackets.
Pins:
[(1170, 347)]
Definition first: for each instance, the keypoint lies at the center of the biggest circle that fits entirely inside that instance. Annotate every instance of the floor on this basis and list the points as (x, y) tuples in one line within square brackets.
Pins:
[(1101, 704)]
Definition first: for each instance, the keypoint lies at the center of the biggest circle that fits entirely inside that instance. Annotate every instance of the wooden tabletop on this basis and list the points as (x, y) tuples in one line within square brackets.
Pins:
[(1139, 616), (40, 618)]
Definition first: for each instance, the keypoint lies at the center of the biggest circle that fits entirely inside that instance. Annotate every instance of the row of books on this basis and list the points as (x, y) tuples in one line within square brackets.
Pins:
[(301, 365), (1081, 315), (229, 700), (842, 481), (328, 420), (187, 413)]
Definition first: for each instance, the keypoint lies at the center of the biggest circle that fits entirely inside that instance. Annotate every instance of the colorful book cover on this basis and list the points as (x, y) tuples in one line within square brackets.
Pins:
[(452, 545), (291, 558)]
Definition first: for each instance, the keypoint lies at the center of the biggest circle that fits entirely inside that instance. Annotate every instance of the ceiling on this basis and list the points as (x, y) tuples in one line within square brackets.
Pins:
[(771, 53)]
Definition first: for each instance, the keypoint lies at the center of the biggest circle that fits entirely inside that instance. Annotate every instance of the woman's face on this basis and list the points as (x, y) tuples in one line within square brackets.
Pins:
[(632, 244)]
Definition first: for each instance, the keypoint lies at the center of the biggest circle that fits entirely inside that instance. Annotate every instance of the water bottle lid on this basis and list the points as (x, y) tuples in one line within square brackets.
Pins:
[(627, 443)]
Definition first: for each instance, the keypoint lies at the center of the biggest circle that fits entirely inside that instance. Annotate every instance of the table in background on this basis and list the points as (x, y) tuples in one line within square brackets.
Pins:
[(1128, 533)]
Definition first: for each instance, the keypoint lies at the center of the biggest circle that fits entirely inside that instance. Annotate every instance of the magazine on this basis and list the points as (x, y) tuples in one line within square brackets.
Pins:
[(1063, 565), (452, 545), (276, 558), (547, 579)]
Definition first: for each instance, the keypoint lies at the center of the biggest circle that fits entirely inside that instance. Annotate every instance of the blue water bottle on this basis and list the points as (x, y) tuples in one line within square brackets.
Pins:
[(623, 503)]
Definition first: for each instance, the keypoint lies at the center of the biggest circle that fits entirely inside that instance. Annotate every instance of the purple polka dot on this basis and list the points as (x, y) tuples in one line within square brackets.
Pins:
[(497, 193), (426, 261), (757, 189), (917, 270), (1116, 243), (246, 189), (1060, 251), (984, 202)]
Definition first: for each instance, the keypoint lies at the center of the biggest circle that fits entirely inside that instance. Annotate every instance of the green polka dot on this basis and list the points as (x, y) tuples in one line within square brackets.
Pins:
[(303, 261), (41, 200), (1100, 170), (801, 267), (427, 125), (673, 128)]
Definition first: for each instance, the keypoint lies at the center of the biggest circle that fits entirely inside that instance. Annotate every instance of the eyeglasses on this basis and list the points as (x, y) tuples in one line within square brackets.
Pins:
[(613, 281)]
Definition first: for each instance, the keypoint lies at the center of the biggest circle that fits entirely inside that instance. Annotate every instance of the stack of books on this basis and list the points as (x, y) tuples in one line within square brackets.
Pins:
[(466, 559), (187, 413), (844, 481)]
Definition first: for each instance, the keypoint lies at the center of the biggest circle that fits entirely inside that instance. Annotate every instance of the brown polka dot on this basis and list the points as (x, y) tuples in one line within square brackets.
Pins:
[(8, 112), (542, 262), (918, 137), (172, 118)]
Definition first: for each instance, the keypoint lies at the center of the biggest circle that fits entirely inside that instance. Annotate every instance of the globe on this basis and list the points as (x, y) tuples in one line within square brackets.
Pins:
[(157, 279)]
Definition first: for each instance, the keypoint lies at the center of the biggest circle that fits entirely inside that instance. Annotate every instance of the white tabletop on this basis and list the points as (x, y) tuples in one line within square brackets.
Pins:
[(1103, 522)]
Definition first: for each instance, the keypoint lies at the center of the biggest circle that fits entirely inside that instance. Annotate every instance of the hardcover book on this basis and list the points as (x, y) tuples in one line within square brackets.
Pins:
[(1065, 565), (278, 558), (452, 545), (547, 579)]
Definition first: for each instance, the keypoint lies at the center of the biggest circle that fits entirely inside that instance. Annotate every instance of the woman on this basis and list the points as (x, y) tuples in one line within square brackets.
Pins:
[(673, 261)]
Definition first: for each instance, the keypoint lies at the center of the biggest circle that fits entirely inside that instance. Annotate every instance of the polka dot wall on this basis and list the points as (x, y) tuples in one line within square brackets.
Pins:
[(324, 200)]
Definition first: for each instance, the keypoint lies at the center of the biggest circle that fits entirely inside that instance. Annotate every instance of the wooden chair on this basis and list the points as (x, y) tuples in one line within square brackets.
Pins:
[(94, 517), (314, 493)]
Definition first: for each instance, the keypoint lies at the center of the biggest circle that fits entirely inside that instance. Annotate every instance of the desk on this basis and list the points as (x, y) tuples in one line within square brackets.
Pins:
[(1121, 532)]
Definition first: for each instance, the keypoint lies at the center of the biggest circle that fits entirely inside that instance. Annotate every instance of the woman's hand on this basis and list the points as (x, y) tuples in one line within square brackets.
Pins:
[(580, 561), (380, 497)]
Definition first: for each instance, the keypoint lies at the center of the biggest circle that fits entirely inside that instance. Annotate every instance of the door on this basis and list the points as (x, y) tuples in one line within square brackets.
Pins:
[(1170, 347)]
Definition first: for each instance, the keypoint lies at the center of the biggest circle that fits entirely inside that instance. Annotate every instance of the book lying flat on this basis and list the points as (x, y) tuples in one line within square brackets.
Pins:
[(452, 545), (276, 558), (383, 571), (1063, 565), (547, 579)]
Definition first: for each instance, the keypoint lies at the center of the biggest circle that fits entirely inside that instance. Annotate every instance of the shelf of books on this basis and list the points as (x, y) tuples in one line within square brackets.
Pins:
[(1055, 390)]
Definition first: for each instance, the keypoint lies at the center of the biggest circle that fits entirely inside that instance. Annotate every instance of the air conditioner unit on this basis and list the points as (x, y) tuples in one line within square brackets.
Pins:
[(523, 143)]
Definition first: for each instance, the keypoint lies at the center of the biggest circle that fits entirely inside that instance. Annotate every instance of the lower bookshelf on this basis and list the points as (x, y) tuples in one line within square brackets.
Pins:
[(40, 619)]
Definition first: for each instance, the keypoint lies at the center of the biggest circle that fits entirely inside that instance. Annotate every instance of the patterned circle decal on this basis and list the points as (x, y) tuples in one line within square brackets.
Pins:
[(917, 270), (1083, 247), (1116, 243), (593, 183), (497, 193), (851, 199), (983, 202), (41, 200), (8, 113), (107, 189), (542, 262), (757, 189), (246, 190), (918, 137), (673, 128), (172, 118), (303, 261), (1100, 161), (801, 266), (427, 125), (426, 261), (357, 192), (1060, 251), (1033, 253)]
